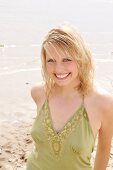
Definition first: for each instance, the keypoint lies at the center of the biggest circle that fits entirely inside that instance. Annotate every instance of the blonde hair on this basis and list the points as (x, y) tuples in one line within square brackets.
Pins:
[(69, 40)]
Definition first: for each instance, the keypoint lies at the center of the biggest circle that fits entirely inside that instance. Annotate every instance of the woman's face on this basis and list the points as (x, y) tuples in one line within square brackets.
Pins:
[(61, 67)]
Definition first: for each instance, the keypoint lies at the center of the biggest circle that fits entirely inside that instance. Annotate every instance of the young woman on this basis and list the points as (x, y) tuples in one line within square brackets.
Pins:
[(71, 110)]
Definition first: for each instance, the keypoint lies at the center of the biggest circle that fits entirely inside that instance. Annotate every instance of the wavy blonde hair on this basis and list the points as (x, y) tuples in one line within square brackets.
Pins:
[(69, 41)]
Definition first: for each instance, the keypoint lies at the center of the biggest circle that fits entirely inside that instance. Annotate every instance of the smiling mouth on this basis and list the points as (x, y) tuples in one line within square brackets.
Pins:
[(62, 76)]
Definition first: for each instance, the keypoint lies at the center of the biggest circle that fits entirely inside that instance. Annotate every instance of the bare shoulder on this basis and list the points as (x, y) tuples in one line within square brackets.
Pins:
[(38, 93), (105, 102), (104, 98)]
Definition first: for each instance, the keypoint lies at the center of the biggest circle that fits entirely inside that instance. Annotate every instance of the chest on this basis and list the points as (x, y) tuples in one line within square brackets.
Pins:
[(71, 140), (62, 112)]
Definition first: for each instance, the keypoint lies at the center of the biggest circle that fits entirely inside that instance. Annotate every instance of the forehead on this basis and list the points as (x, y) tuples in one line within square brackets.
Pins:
[(54, 51)]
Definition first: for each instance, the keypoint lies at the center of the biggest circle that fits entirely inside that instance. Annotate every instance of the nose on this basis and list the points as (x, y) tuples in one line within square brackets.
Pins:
[(59, 67)]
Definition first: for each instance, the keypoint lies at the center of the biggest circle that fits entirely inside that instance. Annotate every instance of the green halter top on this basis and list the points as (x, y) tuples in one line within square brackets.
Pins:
[(68, 149)]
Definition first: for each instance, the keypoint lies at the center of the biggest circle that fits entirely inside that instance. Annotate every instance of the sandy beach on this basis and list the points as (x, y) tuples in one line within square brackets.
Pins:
[(16, 116)]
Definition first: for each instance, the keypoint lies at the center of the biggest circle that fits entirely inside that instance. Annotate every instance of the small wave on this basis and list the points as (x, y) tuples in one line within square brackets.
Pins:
[(100, 44), (15, 46), (18, 71), (35, 45), (103, 60), (106, 1)]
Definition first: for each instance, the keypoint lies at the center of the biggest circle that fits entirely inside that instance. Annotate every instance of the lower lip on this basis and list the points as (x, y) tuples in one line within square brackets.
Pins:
[(62, 78)]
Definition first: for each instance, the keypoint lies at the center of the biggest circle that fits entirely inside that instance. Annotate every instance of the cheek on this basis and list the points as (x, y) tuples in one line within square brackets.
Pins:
[(73, 67), (49, 68)]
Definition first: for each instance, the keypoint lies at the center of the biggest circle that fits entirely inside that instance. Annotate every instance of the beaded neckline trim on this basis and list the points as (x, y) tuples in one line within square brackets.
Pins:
[(56, 140)]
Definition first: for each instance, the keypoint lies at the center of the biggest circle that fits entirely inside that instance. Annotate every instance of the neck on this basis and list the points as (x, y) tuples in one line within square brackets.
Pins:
[(64, 92)]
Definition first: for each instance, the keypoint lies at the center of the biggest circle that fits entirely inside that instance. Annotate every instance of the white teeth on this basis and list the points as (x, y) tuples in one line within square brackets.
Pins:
[(61, 75)]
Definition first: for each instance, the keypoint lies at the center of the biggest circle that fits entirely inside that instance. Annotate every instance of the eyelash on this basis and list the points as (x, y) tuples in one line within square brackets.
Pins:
[(50, 60), (65, 60)]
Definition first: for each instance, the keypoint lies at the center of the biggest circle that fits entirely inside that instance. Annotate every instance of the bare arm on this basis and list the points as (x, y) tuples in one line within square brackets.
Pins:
[(105, 138), (38, 95), (35, 93)]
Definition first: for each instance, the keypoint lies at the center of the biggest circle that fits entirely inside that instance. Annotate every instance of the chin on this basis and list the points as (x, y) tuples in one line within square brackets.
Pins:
[(62, 84)]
